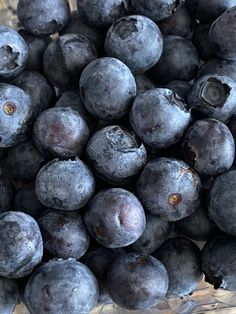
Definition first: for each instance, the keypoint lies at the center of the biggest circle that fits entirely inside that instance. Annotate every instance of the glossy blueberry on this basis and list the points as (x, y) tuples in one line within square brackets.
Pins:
[(222, 202), (9, 295), (116, 154), (61, 286), (24, 161), (63, 68), (41, 91), (169, 188), (222, 35), (43, 17), (13, 53), (218, 261), (21, 245), (179, 61), (6, 194), (64, 234), (27, 202), (213, 96), (182, 260), (157, 231), (60, 132), (65, 185), (150, 117), (15, 115), (180, 88), (115, 218), (143, 83), (136, 40), (101, 13), (107, 88), (137, 282), (202, 42), (208, 146)]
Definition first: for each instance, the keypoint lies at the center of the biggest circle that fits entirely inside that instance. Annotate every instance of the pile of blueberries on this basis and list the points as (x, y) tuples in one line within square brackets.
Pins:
[(117, 148)]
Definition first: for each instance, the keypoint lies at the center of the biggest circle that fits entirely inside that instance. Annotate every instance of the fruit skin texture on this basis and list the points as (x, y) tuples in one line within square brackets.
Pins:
[(182, 260), (213, 96), (43, 17), (9, 295), (61, 286), (221, 202), (107, 88), (222, 35), (201, 41), (169, 188), (64, 185), (116, 154), (21, 245), (137, 282), (208, 147), (150, 117), (115, 218), (13, 53), (6, 194), (180, 88), (218, 261), (136, 40)]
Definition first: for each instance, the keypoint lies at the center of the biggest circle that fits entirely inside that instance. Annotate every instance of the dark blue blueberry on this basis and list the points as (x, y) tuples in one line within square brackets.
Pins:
[(136, 40), (9, 295), (169, 188), (43, 17), (116, 154), (21, 245), (15, 115), (61, 286), (201, 41), (6, 194), (107, 88), (115, 218), (180, 88), (65, 185), (13, 53), (60, 132), (137, 282), (150, 117), (182, 260), (143, 83)]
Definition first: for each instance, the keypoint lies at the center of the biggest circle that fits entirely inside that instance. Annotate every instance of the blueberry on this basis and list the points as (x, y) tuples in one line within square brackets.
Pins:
[(221, 202), (36, 85), (182, 260), (201, 41), (218, 261), (101, 13), (60, 132), (61, 286), (65, 185), (197, 226), (27, 202), (62, 67), (21, 245), (116, 154), (169, 188), (43, 17), (136, 40), (156, 10), (24, 161), (64, 234), (143, 83), (36, 47), (150, 117), (9, 295), (179, 61), (15, 115), (157, 231), (222, 35), (180, 88), (6, 194), (208, 146), (137, 282), (115, 218), (214, 96), (13, 53), (107, 88)]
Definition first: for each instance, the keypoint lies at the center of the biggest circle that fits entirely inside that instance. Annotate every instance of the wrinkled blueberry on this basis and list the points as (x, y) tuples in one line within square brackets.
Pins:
[(169, 188), (136, 40), (65, 185), (180, 88), (115, 218), (201, 41), (6, 194), (143, 83), (9, 295), (21, 245), (61, 286)]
